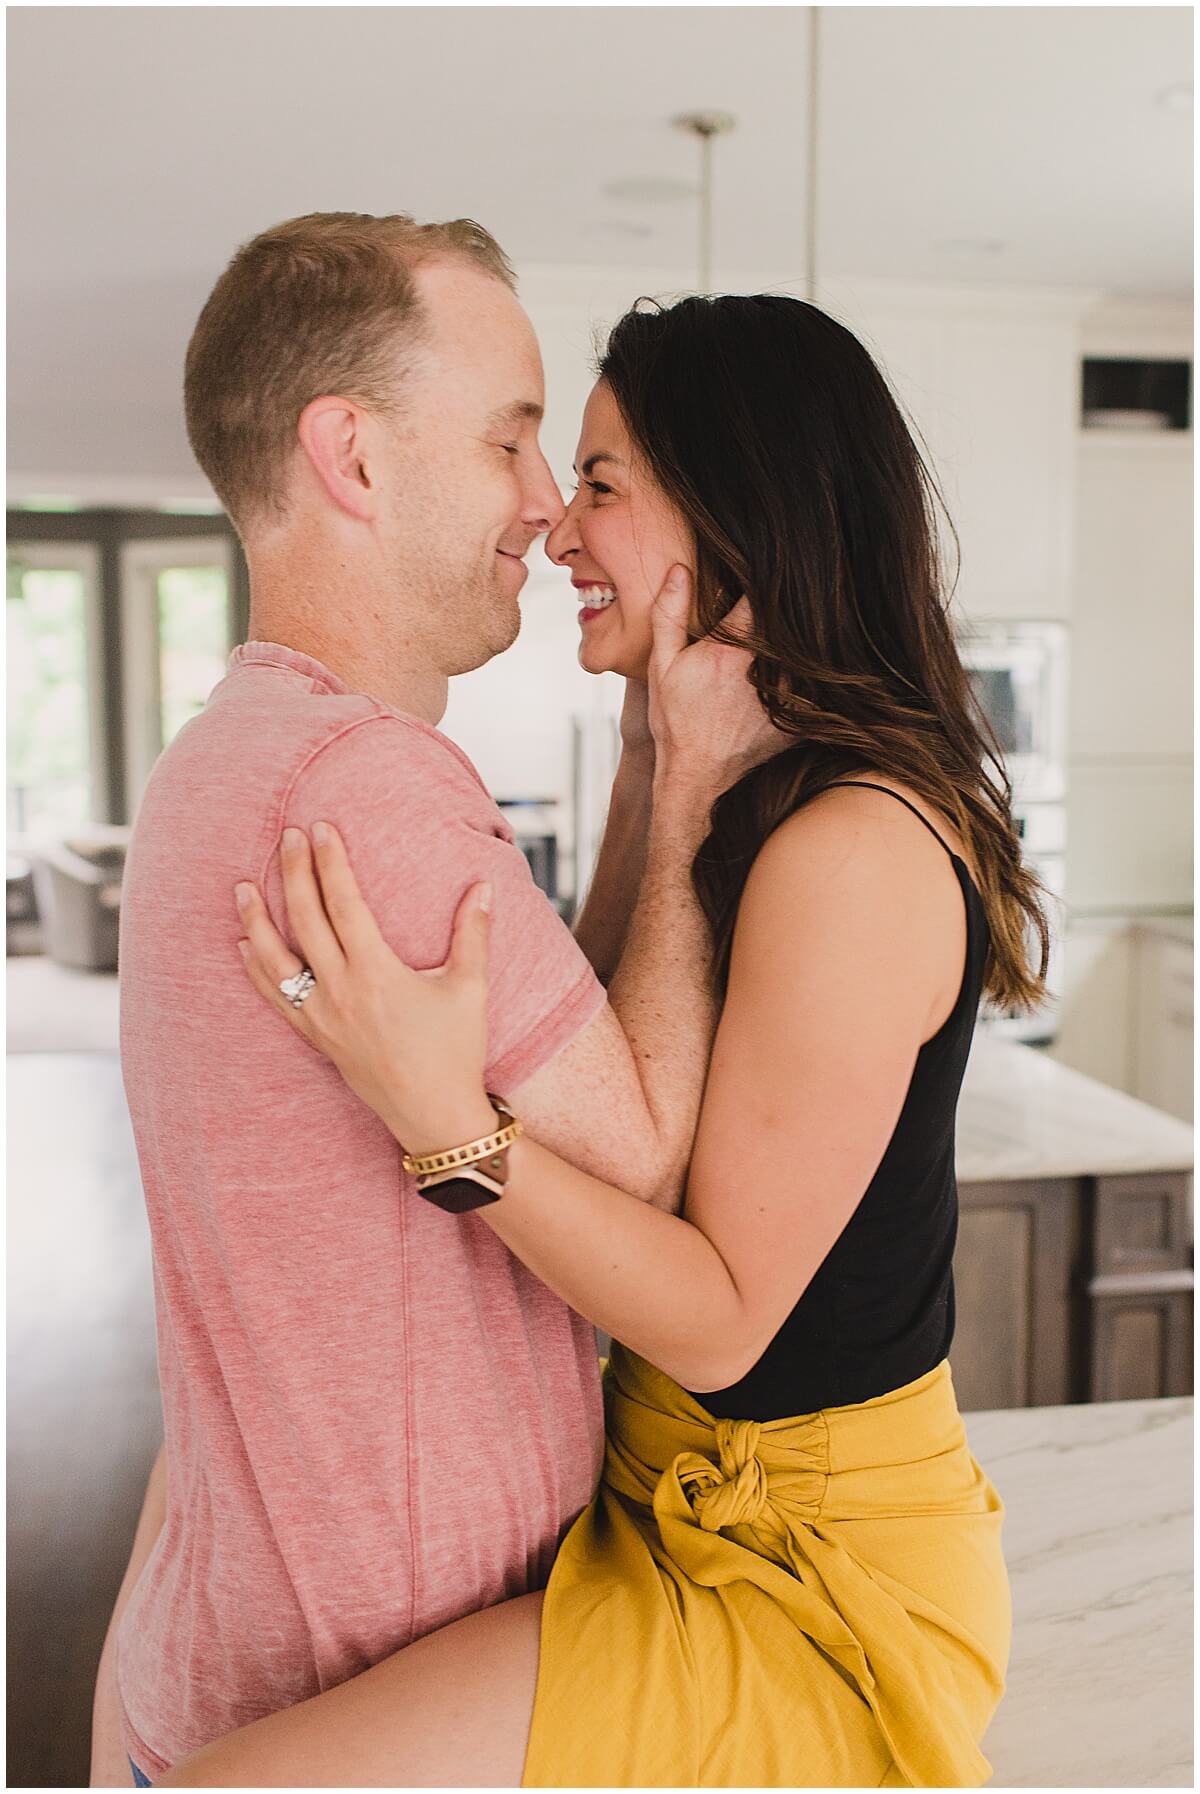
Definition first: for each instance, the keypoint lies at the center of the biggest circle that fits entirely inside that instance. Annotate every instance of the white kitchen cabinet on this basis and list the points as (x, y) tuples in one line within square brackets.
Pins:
[(1130, 766), (1009, 462), (1131, 673), (1126, 1014), (1095, 1026), (1131, 687), (1163, 1021), (990, 380), (989, 376)]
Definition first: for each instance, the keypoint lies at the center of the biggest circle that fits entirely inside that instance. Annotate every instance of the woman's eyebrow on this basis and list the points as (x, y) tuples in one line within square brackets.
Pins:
[(594, 460)]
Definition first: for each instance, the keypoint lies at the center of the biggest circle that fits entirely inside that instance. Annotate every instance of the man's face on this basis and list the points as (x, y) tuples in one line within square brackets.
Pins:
[(466, 487)]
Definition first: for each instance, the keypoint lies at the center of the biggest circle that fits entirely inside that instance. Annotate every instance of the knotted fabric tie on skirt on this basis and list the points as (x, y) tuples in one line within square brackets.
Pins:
[(690, 1504), (733, 1491)]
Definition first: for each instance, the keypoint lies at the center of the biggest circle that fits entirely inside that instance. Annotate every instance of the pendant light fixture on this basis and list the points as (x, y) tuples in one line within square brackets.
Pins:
[(706, 126)]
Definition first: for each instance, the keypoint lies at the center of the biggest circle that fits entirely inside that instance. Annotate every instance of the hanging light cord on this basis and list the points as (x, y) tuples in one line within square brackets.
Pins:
[(706, 199), (706, 126), (810, 223)]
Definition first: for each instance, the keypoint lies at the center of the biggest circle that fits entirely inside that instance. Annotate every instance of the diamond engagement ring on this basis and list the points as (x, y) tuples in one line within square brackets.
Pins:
[(298, 988)]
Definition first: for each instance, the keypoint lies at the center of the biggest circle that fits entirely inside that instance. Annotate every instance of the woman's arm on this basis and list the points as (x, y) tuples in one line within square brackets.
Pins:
[(110, 1764), (850, 935)]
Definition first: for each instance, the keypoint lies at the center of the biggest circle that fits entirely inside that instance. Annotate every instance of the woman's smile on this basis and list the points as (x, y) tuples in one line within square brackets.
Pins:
[(595, 597)]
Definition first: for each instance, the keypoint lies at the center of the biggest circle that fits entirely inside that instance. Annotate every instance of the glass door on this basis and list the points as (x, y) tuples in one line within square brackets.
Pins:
[(56, 750), (178, 630)]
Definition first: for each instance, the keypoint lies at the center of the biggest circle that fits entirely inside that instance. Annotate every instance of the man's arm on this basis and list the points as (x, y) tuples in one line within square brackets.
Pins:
[(622, 1100), (110, 1765)]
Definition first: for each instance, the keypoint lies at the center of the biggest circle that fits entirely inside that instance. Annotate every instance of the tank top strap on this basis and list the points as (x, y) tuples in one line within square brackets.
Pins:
[(863, 785)]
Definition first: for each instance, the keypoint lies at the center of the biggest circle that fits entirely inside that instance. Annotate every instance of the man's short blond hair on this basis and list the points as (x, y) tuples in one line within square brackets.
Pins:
[(326, 303)]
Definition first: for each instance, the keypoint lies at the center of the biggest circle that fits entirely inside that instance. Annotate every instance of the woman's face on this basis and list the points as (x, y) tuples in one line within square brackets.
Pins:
[(620, 538)]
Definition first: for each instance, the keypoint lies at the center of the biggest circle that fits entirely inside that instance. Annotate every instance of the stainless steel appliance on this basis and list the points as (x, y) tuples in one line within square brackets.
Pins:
[(535, 823), (1018, 671), (1019, 675)]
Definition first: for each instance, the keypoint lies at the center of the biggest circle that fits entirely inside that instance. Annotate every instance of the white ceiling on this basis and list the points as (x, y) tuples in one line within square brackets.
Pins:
[(146, 142)]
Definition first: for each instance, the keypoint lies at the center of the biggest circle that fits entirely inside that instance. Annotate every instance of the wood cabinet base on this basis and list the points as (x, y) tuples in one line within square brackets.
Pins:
[(1072, 1290)]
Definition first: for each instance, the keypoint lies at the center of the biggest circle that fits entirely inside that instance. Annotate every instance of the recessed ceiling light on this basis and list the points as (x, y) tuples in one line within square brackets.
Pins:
[(1177, 99), (651, 190), (971, 245)]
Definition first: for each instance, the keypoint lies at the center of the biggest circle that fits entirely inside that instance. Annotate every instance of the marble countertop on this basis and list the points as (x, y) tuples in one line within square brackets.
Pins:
[(1021, 1114), (1098, 1538)]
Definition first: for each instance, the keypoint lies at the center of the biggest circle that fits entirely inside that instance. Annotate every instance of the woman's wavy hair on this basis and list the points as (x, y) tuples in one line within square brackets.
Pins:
[(773, 432)]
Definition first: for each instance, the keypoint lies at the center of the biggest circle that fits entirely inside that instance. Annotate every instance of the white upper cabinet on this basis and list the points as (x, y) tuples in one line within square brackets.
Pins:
[(1133, 661), (991, 383), (990, 380)]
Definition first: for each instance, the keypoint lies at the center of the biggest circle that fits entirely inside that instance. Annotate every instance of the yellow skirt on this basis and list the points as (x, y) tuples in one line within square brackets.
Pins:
[(815, 1602)]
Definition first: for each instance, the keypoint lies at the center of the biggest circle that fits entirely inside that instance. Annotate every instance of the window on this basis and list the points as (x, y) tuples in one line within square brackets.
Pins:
[(54, 709), (193, 633), (177, 631)]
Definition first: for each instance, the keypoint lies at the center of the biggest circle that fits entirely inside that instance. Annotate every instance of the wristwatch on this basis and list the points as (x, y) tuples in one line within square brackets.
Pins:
[(470, 1186)]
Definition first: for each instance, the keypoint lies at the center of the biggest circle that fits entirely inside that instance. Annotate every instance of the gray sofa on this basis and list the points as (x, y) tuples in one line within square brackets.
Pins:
[(78, 885)]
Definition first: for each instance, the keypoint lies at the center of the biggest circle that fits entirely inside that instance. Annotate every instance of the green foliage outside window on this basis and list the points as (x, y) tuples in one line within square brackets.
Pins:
[(193, 621), (49, 781)]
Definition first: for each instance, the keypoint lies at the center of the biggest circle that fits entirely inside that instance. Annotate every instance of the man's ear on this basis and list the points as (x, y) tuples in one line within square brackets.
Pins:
[(334, 435)]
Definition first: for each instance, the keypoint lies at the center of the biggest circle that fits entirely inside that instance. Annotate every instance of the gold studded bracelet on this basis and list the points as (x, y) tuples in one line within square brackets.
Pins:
[(452, 1158)]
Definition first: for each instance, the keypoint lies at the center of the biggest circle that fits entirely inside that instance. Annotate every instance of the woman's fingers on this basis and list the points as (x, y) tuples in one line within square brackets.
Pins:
[(319, 943), (344, 903), (669, 617), (472, 932), (740, 620), (268, 958), (268, 987)]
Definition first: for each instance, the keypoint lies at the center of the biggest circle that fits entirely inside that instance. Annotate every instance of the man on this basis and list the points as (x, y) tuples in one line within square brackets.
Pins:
[(376, 1419)]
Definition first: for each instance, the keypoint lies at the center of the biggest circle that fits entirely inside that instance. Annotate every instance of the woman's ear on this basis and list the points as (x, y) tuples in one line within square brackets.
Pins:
[(334, 435)]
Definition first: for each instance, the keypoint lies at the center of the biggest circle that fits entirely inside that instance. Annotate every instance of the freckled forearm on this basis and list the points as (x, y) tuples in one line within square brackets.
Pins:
[(662, 991), (602, 924)]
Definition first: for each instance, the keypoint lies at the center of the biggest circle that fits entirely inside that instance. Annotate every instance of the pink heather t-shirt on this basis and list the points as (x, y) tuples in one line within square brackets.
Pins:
[(377, 1420)]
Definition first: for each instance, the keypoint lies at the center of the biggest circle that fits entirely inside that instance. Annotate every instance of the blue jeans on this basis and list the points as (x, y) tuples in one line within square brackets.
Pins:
[(139, 1780)]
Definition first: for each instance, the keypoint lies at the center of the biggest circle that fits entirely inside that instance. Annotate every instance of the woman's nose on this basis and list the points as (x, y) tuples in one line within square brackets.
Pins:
[(563, 539)]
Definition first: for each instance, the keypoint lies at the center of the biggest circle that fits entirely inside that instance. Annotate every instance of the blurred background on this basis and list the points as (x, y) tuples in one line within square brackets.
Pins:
[(997, 199)]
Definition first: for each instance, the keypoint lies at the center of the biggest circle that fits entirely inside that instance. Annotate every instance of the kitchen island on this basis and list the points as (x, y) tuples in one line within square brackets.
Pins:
[(1074, 1264), (1098, 1538)]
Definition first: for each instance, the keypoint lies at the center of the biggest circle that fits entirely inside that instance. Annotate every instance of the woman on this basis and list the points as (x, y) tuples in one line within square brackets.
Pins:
[(791, 1574)]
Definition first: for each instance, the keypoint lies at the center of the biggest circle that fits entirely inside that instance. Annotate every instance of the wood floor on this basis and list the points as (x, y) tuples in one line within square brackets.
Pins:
[(84, 1421)]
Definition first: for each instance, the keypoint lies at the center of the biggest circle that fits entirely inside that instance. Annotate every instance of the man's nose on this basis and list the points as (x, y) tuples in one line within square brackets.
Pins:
[(546, 509), (563, 539)]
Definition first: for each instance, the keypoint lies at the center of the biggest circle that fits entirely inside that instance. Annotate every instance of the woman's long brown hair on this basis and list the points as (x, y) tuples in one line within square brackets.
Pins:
[(771, 429)]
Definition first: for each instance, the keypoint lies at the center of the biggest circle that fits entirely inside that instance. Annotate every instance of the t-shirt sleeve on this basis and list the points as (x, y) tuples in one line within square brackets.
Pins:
[(420, 829)]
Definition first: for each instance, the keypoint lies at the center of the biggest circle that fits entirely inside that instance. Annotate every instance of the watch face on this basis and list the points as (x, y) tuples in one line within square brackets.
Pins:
[(459, 1194)]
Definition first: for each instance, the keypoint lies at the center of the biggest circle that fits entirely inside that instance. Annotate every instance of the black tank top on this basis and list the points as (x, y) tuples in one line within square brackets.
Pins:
[(880, 1310)]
